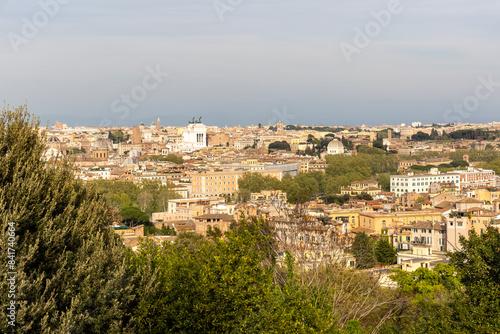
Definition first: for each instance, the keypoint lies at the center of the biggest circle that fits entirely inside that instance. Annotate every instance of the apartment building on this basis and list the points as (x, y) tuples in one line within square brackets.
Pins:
[(221, 183), (476, 177), (379, 221), (428, 234), (420, 183), (370, 187)]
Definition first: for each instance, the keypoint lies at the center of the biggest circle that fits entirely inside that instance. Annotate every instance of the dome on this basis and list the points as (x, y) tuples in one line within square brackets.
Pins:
[(335, 144), (335, 147), (53, 139), (102, 143)]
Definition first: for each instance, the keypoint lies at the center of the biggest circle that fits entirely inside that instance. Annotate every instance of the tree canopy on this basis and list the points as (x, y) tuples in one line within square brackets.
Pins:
[(71, 270)]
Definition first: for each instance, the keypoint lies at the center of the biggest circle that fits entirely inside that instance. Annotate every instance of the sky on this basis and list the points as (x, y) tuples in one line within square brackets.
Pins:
[(242, 62)]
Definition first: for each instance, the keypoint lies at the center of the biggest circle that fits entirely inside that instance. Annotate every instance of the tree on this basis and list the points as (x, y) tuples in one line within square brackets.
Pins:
[(213, 233), (364, 196), (370, 150), (144, 198), (385, 252), (72, 275), (256, 182), (478, 265), (362, 249), (384, 179), (134, 216), (379, 144), (420, 136), (279, 145), (430, 289), (224, 285), (170, 157)]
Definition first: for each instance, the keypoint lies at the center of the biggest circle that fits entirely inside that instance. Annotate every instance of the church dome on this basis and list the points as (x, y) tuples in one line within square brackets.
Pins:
[(335, 144), (102, 143), (335, 147)]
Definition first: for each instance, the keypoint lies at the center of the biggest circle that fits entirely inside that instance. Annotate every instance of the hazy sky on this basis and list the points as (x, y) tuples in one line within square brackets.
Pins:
[(252, 61)]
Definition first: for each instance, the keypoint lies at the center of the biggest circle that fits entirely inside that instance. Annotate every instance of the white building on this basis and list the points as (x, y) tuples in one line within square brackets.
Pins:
[(472, 177), (420, 183), (476, 177), (335, 147), (194, 137)]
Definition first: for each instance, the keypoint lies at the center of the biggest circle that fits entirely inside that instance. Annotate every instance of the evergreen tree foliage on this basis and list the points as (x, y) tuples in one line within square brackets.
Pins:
[(362, 249), (71, 267), (385, 252), (133, 216)]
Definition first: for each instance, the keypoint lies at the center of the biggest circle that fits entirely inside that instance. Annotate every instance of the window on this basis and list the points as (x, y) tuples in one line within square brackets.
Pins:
[(460, 224)]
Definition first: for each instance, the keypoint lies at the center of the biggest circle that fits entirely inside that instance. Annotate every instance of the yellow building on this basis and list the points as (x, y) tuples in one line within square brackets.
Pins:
[(379, 221), (370, 187), (223, 183), (345, 216), (486, 194)]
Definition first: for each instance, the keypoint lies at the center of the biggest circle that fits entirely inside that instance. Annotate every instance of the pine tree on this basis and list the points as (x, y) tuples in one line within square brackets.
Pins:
[(72, 274), (362, 249)]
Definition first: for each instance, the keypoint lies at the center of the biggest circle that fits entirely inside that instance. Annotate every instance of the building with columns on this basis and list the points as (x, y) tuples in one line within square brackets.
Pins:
[(194, 137)]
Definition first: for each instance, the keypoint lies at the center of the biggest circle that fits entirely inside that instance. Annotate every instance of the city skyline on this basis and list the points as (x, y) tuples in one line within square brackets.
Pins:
[(370, 62)]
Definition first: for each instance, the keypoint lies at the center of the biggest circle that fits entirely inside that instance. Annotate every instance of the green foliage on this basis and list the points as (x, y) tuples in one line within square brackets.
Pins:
[(73, 151), (348, 145), (150, 195), (151, 230), (220, 286), (364, 196), (385, 252), (117, 136), (384, 179), (279, 145), (170, 157), (378, 163), (370, 150), (343, 170), (362, 249), (494, 165), (337, 199), (71, 273), (301, 188), (466, 292), (134, 216), (379, 144), (420, 136), (430, 290), (256, 182), (167, 230), (473, 134), (422, 168), (478, 265), (459, 163), (213, 233)]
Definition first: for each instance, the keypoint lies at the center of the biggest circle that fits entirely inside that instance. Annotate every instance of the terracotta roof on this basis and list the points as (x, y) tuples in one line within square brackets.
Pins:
[(426, 225), (469, 200), (360, 229)]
